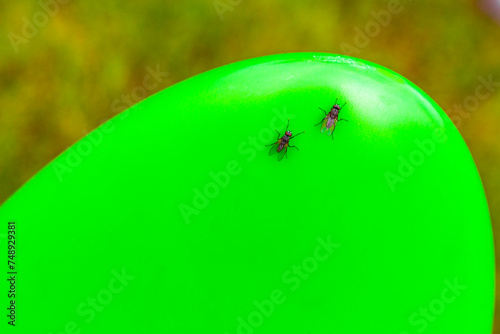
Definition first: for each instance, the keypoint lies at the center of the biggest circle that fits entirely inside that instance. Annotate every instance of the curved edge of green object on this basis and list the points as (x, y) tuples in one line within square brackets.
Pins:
[(408, 227)]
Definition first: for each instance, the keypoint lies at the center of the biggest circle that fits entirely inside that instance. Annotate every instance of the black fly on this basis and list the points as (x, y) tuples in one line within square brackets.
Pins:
[(331, 118), (282, 144)]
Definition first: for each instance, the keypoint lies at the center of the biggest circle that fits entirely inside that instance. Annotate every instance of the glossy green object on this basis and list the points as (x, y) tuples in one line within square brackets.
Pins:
[(173, 218)]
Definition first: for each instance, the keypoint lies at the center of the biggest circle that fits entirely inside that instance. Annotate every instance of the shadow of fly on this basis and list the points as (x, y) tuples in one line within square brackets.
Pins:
[(331, 119), (282, 144)]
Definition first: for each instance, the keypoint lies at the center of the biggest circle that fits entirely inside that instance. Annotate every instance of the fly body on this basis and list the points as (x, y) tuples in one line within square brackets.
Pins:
[(282, 143), (331, 118)]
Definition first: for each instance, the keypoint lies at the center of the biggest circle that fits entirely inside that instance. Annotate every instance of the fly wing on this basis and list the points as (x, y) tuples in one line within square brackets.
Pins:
[(324, 125), (332, 127), (282, 153), (274, 148)]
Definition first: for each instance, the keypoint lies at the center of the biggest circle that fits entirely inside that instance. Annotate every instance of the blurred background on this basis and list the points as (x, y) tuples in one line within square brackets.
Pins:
[(66, 65)]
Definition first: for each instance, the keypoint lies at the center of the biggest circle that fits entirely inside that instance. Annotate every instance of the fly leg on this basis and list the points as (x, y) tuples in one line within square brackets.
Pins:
[(278, 134), (276, 138), (297, 134), (323, 118)]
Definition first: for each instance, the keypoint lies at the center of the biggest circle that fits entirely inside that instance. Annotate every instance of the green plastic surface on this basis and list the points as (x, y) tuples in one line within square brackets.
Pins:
[(172, 217)]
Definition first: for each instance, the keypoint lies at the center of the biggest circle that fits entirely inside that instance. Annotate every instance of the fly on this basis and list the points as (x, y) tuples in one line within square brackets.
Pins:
[(331, 118), (282, 144)]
